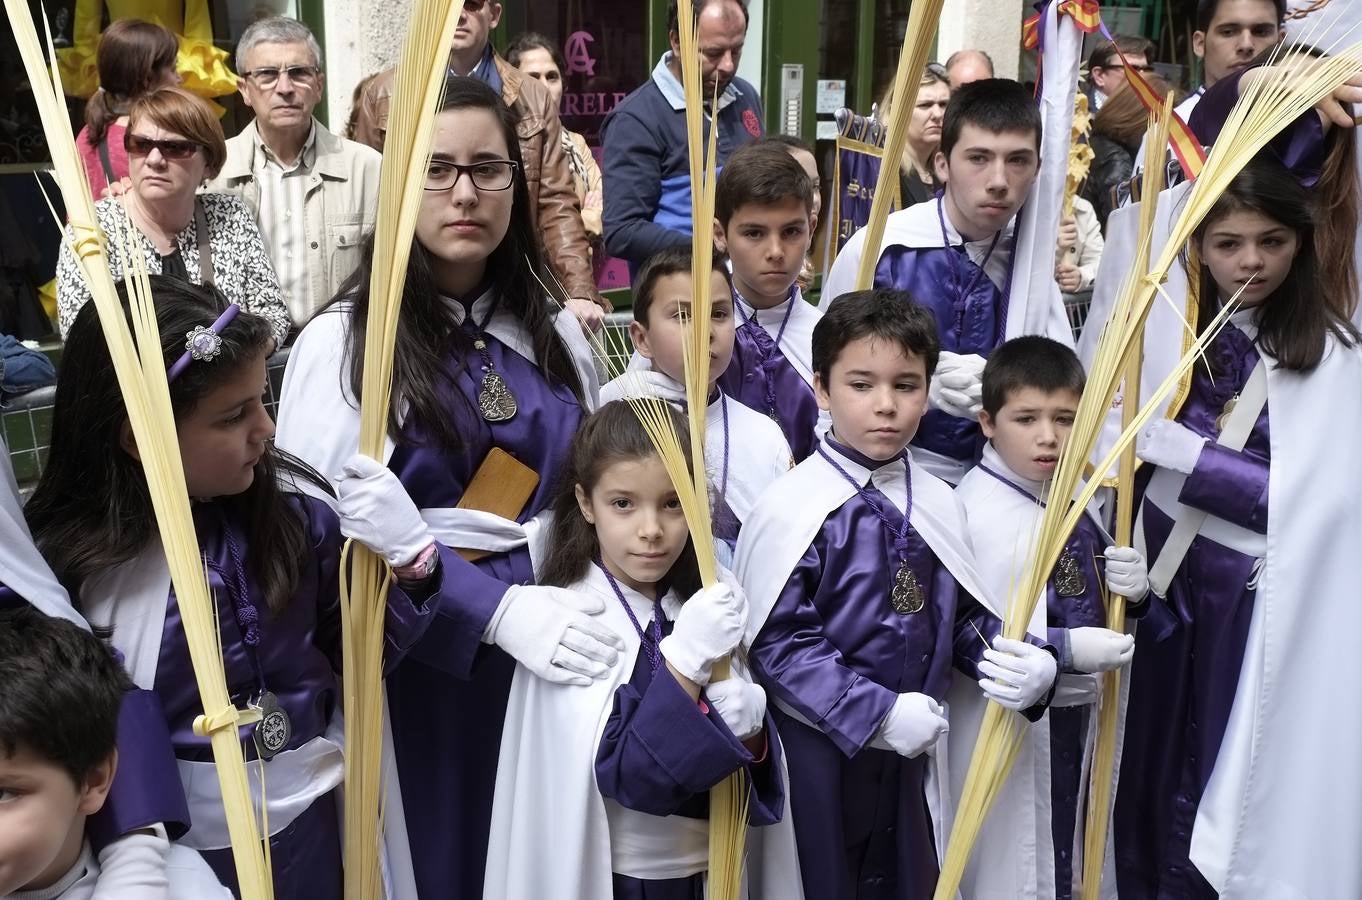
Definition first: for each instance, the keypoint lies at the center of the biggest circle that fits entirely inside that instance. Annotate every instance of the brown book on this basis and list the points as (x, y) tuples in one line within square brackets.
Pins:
[(501, 486)]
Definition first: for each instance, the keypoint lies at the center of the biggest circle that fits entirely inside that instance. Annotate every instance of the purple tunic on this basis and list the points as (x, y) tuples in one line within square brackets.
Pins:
[(760, 375), (1069, 725), (971, 315), (296, 657), (661, 753), (447, 699), (1190, 652), (834, 650)]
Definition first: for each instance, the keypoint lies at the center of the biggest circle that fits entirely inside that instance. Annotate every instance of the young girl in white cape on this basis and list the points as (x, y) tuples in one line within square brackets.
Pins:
[(1237, 770), (603, 790)]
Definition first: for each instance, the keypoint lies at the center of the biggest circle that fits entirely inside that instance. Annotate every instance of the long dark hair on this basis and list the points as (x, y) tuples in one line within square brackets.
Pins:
[(610, 435), (421, 360), (1295, 321), (92, 510), (130, 55)]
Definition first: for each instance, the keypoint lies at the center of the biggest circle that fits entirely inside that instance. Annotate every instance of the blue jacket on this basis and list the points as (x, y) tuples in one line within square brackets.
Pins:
[(647, 168), (22, 369)]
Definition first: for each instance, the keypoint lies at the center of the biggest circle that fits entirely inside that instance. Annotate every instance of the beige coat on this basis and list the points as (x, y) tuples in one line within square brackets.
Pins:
[(341, 204)]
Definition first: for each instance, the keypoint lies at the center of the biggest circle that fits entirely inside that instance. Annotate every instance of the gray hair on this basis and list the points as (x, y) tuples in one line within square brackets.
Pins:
[(278, 30)]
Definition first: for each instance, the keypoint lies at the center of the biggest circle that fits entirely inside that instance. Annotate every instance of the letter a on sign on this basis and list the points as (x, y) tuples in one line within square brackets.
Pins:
[(578, 56)]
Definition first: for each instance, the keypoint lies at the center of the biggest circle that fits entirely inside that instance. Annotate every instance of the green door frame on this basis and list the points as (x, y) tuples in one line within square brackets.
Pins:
[(312, 13)]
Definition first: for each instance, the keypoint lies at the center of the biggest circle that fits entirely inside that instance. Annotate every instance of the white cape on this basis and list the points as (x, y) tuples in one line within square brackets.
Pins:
[(1165, 338), (550, 830), (784, 525), (1280, 819), (22, 567)]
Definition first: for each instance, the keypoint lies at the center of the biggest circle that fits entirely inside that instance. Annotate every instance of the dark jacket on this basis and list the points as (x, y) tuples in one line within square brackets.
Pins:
[(647, 167), (1112, 165)]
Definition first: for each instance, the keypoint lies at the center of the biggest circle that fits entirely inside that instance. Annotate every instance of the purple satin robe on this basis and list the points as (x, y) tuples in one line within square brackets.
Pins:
[(297, 657), (447, 699), (834, 650), (661, 753), (759, 372), (971, 315), (1191, 649)]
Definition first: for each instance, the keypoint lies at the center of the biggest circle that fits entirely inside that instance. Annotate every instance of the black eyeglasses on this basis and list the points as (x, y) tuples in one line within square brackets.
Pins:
[(474, 5), (136, 145), (488, 175), (267, 77)]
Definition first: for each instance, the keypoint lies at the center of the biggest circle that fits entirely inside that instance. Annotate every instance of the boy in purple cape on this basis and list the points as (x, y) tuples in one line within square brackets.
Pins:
[(854, 563)]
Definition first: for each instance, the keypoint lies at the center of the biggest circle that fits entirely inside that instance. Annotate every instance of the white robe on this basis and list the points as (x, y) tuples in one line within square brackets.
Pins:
[(22, 567), (188, 878), (1280, 818), (1014, 855), (550, 835)]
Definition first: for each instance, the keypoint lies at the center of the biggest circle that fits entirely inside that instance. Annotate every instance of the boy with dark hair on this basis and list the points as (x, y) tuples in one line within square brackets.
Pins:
[(1031, 389), (956, 255), (59, 710), (744, 450), (764, 220), (863, 596)]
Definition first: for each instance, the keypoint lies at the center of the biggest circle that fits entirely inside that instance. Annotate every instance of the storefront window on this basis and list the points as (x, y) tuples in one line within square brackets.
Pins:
[(605, 45)]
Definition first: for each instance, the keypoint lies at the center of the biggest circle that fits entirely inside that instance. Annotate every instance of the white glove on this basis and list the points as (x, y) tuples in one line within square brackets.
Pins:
[(1170, 445), (1127, 573), (1099, 649), (375, 510), (708, 628), (957, 386), (911, 728), (741, 704), (1016, 674), (551, 632)]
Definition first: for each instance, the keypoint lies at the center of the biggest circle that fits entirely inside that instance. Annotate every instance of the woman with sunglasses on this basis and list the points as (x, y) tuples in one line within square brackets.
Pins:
[(489, 384), (174, 144)]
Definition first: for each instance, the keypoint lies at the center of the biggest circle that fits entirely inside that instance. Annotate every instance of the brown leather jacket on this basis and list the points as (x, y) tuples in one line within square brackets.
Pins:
[(555, 209)]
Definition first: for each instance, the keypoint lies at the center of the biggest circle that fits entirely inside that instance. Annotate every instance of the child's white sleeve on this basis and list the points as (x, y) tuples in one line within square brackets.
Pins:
[(134, 867)]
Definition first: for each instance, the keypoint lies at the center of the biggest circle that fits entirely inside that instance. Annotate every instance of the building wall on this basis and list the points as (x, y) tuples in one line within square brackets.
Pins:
[(993, 26), (361, 38)]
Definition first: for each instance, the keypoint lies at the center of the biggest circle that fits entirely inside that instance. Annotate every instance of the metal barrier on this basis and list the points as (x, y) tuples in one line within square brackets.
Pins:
[(27, 419)]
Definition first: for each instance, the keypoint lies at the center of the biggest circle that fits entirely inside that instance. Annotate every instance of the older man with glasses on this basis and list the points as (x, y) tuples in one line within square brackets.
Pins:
[(553, 193), (314, 194), (1107, 66)]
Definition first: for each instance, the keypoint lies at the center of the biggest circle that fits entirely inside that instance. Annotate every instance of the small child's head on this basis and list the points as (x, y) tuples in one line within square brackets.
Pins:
[(662, 299), (1032, 385), (615, 502), (990, 154), (92, 507), (808, 161), (764, 220), (60, 691), (873, 355)]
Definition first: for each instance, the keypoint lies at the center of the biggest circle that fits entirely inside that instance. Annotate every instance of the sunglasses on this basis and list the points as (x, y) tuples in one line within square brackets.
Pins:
[(136, 145), (474, 5)]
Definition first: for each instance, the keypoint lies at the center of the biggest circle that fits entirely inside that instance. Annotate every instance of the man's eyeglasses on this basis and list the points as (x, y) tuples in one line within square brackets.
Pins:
[(267, 77), (1115, 63), (488, 175), (474, 5), (136, 145)]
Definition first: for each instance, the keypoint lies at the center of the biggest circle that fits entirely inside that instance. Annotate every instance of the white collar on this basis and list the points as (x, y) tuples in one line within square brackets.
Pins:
[(994, 460)]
